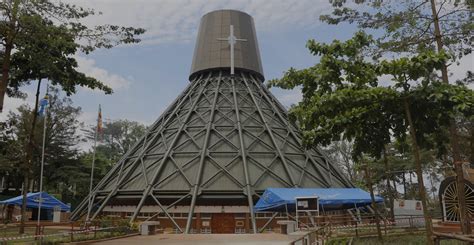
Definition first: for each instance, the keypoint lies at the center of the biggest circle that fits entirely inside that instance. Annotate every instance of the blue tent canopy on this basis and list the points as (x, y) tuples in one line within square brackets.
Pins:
[(32, 201), (279, 199)]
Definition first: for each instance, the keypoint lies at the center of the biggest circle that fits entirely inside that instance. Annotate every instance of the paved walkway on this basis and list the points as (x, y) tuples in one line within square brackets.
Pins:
[(201, 239)]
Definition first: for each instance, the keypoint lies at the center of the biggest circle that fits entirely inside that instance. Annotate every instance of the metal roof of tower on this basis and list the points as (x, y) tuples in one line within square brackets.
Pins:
[(224, 138), (210, 53)]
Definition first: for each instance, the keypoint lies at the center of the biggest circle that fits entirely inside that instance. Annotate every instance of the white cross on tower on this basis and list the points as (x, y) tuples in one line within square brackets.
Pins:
[(232, 41)]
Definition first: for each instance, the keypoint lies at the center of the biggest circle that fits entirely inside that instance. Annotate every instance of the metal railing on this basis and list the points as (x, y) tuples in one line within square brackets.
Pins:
[(343, 226), (317, 236), (438, 236), (66, 232)]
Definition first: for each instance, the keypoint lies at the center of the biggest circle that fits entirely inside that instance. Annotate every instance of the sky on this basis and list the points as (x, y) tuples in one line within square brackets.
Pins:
[(148, 76)]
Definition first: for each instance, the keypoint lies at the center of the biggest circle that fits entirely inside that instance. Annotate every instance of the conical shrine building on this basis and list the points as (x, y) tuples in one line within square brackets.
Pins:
[(206, 160)]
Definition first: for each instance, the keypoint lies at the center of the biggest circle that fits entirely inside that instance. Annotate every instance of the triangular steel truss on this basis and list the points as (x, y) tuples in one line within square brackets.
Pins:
[(223, 136)]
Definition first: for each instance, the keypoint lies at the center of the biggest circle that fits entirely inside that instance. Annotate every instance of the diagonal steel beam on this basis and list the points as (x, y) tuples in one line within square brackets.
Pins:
[(168, 152), (267, 169), (268, 222), (185, 165), (175, 105), (328, 183), (243, 153), (222, 170), (166, 213), (146, 145), (203, 157), (269, 130), (169, 206), (258, 139), (304, 171), (224, 138)]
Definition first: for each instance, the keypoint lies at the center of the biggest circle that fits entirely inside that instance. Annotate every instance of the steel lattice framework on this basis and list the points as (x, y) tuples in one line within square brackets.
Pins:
[(223, 137)]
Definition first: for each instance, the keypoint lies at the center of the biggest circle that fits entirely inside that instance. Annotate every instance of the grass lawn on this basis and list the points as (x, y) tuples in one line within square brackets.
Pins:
[(394, 239)]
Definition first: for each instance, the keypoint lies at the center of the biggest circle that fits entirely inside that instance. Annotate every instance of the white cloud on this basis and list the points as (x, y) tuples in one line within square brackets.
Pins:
[(10, 104), (178, 20), (290, 97), (459, 71), (88, 67)]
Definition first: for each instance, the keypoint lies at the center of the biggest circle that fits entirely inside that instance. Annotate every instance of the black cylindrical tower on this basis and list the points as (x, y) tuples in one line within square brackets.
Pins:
[(212, 52)]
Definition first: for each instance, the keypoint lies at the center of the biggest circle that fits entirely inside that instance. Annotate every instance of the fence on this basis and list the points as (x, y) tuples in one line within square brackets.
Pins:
[(65, 232), (438, 236), (364, 225), (317, 236)]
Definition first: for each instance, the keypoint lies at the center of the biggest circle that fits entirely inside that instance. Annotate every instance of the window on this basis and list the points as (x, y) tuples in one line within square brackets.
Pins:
[(206, 223), (240, 230), (206, 230)]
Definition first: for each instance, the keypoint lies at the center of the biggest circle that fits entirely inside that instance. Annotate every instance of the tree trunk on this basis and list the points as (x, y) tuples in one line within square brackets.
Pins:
[(465, 218), (404, 186), (374, 207), (395, 192), (419, 173), (5, 73), (447, 171), (24, 192), (9, 37), (388, 177), (29, 159)]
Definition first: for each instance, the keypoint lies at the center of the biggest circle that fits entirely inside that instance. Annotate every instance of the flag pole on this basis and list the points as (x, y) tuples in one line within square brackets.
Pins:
[(93, 165), (45, 119)]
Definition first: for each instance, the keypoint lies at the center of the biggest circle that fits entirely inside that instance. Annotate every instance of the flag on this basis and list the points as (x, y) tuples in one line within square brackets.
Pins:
[(43, 104)]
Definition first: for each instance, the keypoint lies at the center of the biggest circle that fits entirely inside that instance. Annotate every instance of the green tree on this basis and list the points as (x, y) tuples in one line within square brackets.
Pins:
[(341, 153), (46, 35), (61, 138), (23, 22), (407, 27), (117, 137), (343, 99), (47, 55), (11, 155), (65, 171), (62, 170)]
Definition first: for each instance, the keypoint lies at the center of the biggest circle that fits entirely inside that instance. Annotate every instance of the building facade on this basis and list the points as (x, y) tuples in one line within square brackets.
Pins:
[(207, 159)]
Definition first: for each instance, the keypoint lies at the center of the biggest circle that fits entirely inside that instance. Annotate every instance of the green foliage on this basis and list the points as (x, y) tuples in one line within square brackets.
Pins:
[(67, 169), (343, 97), (407, 25), (69, 17), (340, 153), (61, 141), (117, 138), (48, 54), (45, 36)]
